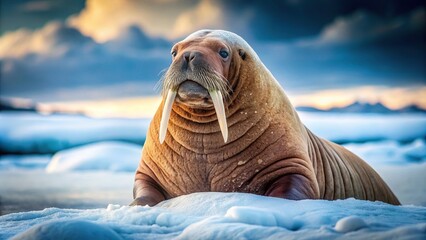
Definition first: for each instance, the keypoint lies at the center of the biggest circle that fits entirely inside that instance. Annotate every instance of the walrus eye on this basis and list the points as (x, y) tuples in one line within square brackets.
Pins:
[(224, 54), (174, 53)]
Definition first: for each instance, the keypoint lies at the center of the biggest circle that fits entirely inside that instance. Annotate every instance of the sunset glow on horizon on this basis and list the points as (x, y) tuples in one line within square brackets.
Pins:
[(145, 107)]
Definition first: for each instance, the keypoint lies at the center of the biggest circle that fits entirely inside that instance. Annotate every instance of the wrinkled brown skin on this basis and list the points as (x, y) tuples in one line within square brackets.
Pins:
[(269, 151)]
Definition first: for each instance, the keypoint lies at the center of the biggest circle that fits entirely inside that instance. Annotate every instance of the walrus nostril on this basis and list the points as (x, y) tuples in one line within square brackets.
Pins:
[(190, 56), (186, 56)]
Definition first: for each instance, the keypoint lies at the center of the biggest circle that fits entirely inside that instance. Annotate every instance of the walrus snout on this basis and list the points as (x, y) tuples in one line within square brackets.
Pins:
[(192, 92), (192, 60)]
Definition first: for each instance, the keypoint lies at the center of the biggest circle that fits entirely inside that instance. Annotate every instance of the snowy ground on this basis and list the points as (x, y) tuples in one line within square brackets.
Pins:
[(224, 216), (23, 190), (75, 162)]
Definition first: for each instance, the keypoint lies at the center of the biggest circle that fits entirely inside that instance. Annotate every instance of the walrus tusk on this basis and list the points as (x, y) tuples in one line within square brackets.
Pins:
[(167, 108), (220, 112)]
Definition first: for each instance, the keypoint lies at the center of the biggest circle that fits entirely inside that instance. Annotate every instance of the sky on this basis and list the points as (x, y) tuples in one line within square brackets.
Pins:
[(324, 53)]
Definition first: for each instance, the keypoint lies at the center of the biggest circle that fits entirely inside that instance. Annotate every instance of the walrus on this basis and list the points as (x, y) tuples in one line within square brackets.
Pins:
[(226, 125)]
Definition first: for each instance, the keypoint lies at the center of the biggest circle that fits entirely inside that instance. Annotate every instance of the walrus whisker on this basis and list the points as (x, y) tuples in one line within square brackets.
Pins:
[(226, 88), (215, 83), (212, 80), (160, 83), (171, 80), (208, 78)]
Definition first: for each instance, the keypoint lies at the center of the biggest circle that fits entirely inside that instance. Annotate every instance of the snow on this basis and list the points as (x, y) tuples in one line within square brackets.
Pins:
[(26, 190), (94, 189), (225, 216), (113, 156), (80, 171), (65, 229), (350, 224)]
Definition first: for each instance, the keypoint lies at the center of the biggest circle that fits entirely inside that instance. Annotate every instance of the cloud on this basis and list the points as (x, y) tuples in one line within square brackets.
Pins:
[(17, 40), (34, 14), (119, 47), (205, 15), (94, 77), (281, 20), (133, 38), (285, 20), (36, 6), (54, 39), (355, 49), (363, 27), (103, 21), (304, 69), (360, 26), (171, 19), (59, 62), (110, 90)]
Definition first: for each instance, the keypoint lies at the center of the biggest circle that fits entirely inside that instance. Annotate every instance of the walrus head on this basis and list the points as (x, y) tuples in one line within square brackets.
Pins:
[(198, 76)]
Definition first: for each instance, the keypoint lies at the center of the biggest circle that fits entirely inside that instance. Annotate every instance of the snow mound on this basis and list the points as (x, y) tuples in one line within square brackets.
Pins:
[(113, 156), (349, 224), (232, 216), (73, 229)]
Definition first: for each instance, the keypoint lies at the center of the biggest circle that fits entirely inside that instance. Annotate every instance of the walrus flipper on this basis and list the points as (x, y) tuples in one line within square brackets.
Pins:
[(295, 181), (146, 191), (293, 186)]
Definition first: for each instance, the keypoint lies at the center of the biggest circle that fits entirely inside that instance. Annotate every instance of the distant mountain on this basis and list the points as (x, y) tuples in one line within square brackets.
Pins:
[(412, 108), (24, 105), (17, 105), (361, 107), (309, 109)]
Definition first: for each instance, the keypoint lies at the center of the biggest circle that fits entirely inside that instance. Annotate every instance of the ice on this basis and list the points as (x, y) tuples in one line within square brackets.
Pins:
[(33, 133), (406, 181), (29, 161), (345, 128), (390, 152), (112, 156), (227, 216), (26, 133)]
